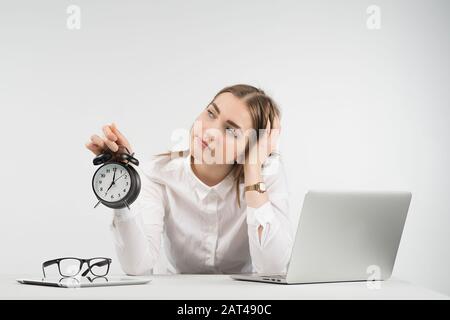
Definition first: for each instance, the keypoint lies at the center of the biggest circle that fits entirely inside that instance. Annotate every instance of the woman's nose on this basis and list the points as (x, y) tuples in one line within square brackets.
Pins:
[(208, 137)]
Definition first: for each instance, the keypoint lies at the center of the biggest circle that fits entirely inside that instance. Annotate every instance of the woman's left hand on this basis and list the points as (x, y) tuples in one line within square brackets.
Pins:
[(267, 143)]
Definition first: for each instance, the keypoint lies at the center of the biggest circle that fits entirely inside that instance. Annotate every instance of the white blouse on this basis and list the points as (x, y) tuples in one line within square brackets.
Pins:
[(178, 224)]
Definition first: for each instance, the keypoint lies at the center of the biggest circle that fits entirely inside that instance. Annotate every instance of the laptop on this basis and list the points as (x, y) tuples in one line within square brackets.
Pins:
[(82, 282), (344, 236)]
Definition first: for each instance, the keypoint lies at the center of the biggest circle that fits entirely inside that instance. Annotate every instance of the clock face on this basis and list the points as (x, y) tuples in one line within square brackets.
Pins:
[(112, 182)]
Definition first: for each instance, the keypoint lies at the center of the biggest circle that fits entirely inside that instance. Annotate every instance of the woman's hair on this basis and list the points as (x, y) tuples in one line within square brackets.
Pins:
[(261, 107)]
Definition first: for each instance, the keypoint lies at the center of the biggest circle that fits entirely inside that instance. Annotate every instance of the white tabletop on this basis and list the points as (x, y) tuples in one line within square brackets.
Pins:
[(213, 287)]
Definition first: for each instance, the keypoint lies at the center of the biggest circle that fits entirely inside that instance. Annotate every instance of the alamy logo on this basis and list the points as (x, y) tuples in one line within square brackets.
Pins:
[(74, 17), (374, 19)]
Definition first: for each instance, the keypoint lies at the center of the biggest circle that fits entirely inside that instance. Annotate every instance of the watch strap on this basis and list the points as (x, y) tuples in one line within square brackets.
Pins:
[(252, 187)]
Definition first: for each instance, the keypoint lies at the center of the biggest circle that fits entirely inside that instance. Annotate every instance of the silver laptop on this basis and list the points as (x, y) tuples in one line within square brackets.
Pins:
[(82, 282), (344, 236)]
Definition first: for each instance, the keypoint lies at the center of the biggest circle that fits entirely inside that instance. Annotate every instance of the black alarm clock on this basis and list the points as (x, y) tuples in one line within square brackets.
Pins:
[(116, 184)]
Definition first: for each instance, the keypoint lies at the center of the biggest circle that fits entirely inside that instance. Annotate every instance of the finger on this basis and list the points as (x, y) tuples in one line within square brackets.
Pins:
[(111, 145), (98, 141), (94, 148), (268, 127), (120, 137), (108, 133), (276, 123), (273, 140), (276, 128)]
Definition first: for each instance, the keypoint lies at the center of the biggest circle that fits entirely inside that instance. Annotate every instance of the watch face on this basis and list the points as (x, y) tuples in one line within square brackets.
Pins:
[(112, 182), (262, 187)]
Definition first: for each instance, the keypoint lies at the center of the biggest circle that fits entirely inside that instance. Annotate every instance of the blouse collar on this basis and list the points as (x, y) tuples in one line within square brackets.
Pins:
[(202, 190)]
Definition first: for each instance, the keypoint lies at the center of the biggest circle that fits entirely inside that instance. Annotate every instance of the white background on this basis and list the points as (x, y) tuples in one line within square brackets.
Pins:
[(362, 109)]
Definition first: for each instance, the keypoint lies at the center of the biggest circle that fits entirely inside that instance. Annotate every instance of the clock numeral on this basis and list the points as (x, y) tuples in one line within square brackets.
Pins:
[(125, 176), (108, 170), (100, 181), (114, 169), (101, 189), (102, 175), (121, 171), (119, 195), (127, 183), (124, 190), (112, 196)]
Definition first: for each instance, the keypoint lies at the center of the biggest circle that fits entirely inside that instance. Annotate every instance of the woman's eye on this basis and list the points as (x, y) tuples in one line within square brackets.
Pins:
[(210, 114), (232, 131)]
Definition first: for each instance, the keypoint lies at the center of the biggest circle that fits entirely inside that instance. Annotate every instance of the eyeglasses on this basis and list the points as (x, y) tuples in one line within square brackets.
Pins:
[(70, 267)]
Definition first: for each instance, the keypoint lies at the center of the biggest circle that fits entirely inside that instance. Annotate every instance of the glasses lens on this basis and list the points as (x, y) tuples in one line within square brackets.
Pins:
[(99, 266), (69, 267)]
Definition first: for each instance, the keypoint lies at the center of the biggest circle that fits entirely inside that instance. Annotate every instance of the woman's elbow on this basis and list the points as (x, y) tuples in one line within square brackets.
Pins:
[(133, 270), (272, 266), (138, 268)]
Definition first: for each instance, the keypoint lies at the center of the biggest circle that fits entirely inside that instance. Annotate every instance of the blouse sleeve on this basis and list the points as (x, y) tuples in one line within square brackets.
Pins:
[(271, 255), (137, 232)]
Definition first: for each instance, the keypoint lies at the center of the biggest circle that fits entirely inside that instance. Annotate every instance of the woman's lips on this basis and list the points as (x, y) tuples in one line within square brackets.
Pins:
[(203, 142)]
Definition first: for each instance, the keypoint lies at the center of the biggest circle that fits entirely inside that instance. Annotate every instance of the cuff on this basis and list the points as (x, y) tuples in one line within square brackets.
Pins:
[(261, 215)]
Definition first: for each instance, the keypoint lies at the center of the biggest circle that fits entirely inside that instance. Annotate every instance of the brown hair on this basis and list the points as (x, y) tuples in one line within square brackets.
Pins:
[(261, 107)]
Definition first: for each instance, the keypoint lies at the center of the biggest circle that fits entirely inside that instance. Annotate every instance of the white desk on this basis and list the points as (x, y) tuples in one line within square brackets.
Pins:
[(175, 287)]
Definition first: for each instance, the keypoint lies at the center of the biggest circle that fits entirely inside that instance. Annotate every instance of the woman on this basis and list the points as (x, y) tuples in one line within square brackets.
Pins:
[(205, 208)]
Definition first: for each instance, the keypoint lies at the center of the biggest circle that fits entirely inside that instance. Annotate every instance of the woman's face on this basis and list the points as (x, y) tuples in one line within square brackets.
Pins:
[(222, 126)]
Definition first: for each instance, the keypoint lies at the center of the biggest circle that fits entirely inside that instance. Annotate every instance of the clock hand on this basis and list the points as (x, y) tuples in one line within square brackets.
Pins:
[(119, 177), (112, 183), (109, 188)]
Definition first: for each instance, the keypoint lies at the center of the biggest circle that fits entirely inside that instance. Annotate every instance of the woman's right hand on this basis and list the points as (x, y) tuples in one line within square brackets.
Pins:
[(111, 140)]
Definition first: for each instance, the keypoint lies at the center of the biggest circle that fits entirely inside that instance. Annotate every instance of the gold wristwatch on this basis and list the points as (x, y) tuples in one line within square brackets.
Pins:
[(260, 187)]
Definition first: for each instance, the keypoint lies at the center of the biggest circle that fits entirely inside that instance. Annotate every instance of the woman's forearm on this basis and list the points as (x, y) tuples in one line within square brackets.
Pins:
[(136, 250), (254, 199), (252, 175)]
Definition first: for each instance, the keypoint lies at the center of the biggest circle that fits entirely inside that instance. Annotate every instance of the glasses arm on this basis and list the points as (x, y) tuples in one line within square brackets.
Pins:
[(97, 264)]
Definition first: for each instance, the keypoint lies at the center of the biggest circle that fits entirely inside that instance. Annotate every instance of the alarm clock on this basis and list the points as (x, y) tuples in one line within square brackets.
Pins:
[(116, 184)]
